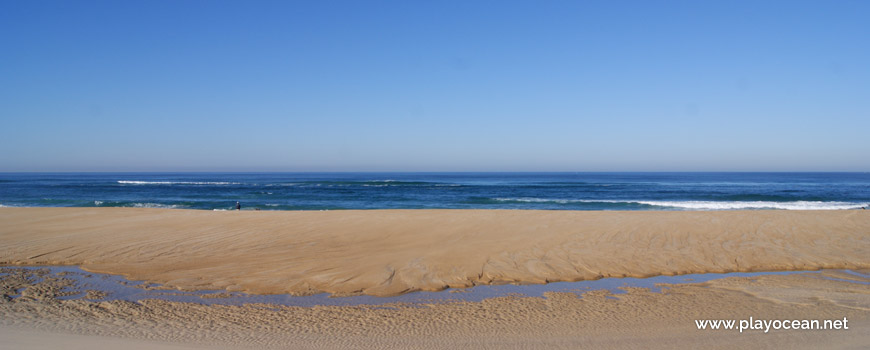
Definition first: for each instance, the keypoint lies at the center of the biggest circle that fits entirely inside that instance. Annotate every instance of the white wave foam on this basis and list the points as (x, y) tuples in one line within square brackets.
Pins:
[(98, 203), (560, 201), (154, 205), (126, 182), (17, 206), (707, 205), (796, 205)]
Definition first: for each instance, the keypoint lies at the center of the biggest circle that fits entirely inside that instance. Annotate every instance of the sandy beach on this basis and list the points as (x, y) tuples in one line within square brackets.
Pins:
[(389, 252), (599, 320), (184, 175)]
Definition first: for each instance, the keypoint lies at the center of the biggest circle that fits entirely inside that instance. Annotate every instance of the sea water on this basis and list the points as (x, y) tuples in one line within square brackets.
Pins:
[(118, 288), (334, 191)]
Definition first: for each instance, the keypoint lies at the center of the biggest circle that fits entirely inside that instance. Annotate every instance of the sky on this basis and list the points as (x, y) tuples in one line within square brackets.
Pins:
[(434, 86)]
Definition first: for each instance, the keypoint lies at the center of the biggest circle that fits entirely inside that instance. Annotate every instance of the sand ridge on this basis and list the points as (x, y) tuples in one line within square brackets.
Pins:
[(388, 252)]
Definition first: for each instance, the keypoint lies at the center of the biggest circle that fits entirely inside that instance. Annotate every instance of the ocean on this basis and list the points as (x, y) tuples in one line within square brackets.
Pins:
[(336, 191)]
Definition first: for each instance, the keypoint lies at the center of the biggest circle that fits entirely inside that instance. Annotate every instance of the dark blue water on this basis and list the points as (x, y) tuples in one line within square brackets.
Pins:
[(553, 191)]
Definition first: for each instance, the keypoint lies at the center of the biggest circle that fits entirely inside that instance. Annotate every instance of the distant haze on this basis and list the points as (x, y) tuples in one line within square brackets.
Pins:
[(434, 86)]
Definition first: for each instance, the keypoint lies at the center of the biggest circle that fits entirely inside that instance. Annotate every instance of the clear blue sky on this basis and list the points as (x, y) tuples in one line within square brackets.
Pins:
[(434, 86)]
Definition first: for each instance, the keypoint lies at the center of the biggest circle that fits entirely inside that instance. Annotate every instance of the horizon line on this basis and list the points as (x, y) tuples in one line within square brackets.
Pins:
[(433, 172)]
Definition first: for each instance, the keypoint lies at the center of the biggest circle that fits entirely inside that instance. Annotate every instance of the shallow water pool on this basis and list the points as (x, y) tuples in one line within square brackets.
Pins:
[(105, 287)]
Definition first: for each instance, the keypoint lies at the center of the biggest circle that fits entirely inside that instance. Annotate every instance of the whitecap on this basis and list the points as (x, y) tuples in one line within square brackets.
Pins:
[(706, 205), (154, 205), (131, 182), (736, 205)]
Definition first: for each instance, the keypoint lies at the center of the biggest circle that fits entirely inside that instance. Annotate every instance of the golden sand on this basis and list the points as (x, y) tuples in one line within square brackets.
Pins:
[(388, 252), (638, 319)]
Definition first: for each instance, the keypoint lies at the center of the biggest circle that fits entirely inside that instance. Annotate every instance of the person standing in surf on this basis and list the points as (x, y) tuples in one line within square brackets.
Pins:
[(238, 206)]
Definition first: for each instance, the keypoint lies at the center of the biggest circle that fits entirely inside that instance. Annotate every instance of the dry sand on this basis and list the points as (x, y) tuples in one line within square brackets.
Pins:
[(388, 252)]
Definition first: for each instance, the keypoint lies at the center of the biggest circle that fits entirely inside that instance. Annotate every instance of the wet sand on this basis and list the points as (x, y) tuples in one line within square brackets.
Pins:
[(389, 252), (637, 319)]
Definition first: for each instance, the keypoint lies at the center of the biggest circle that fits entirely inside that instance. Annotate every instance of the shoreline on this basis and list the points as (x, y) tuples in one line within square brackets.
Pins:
[(391, 252)]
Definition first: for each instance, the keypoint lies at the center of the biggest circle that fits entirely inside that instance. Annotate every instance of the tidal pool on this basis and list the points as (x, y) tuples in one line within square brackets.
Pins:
[(104, 287)]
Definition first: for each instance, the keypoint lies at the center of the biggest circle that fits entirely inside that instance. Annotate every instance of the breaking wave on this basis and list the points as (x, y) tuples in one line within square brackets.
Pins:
[(702, 205), (126, 182), (122, 204), (153, 205)]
